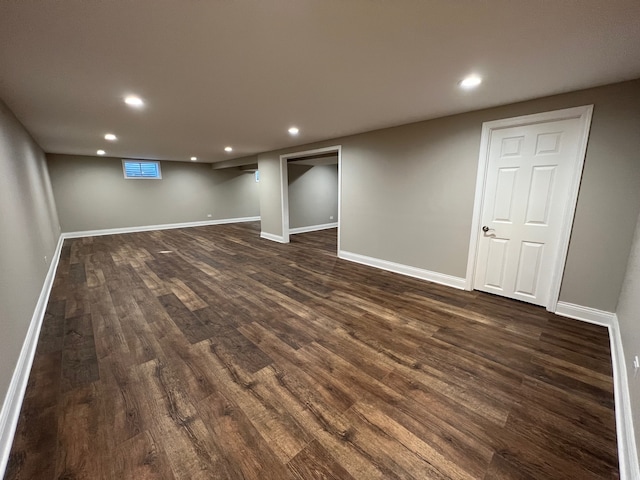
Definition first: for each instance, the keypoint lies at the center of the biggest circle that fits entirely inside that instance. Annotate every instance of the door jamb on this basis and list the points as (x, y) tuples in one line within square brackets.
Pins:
[(284, 185), (584, 114)]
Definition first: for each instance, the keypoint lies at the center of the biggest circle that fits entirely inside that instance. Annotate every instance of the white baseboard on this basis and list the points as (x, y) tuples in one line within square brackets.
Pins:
[(272, 237), (313, 228), (148, 228), (586, 314), (12, 404), (435, 277), (627, 452)]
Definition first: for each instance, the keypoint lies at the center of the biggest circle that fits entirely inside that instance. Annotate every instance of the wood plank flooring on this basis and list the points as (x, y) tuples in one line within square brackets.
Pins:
[(209, 353)]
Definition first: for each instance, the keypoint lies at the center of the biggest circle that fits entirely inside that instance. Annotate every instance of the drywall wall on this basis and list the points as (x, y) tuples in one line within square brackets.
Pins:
[(92, 194), (29, 232), (313, 195), (628, 313), (408, 191), (270, 194)]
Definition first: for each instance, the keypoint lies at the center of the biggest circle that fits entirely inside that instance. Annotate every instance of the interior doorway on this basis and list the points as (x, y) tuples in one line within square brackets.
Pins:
[(313, 193), (309, 158), (528, 178)]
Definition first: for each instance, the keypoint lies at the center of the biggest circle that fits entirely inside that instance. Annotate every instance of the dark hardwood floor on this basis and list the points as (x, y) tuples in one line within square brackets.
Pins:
[(209, 353)]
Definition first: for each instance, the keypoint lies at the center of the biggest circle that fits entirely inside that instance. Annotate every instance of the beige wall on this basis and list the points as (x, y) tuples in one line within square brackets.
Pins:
[(628, 312), (270, 194), (313, 195), (408, 192), (29, 231), (92, 194)]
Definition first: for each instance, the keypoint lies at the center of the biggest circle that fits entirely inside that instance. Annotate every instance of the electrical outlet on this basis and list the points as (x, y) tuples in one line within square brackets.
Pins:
[(331, 217), (45, 261), (209, 215), (636, 365)]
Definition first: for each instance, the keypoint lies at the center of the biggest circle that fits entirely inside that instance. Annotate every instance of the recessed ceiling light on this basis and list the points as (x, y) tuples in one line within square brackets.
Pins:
[(101, 152), (228, 149), (133, 101), (294, 130), (110, 136), (471, 81), (193, 159)]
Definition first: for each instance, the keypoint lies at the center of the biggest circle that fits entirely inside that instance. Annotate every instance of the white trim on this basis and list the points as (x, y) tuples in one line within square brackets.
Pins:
[(627, 451), (584, 114), (435, 277), (339, 193), (12, 403), (477, 205), (148, 228), (273, 238), (284, 185), (586, 314), (284, 197), (313, 228)]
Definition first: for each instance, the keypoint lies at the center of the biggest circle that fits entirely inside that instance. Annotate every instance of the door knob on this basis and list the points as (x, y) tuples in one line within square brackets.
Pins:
[(485, 229)]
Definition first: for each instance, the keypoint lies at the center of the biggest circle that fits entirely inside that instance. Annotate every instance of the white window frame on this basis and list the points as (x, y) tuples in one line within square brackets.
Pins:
[(124, 169)]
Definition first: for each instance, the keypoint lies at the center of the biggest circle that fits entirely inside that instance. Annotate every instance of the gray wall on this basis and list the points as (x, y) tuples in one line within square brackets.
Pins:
[(313, 195), (628, 312), (91, 194), (408, 192), (29, 231), (270, 193)]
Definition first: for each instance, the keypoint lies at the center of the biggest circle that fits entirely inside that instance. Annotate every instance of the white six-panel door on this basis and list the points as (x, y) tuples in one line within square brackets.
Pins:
[(527, 188)]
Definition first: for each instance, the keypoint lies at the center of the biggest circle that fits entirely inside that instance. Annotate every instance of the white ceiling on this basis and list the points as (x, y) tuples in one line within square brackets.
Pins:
[(240, 72)]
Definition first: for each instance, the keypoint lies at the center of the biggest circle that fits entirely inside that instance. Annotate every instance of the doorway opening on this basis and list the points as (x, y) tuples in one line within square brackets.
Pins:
[(318, 170)]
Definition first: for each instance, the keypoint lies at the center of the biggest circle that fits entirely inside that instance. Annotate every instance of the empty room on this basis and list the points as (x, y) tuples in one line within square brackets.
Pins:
[(319, 239)]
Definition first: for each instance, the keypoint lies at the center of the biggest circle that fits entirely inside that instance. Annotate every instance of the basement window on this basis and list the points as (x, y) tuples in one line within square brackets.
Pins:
[(141, 169)]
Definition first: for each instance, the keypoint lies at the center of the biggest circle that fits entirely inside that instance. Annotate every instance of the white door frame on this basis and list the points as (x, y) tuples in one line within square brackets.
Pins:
[(284, 184), (584, 114)]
